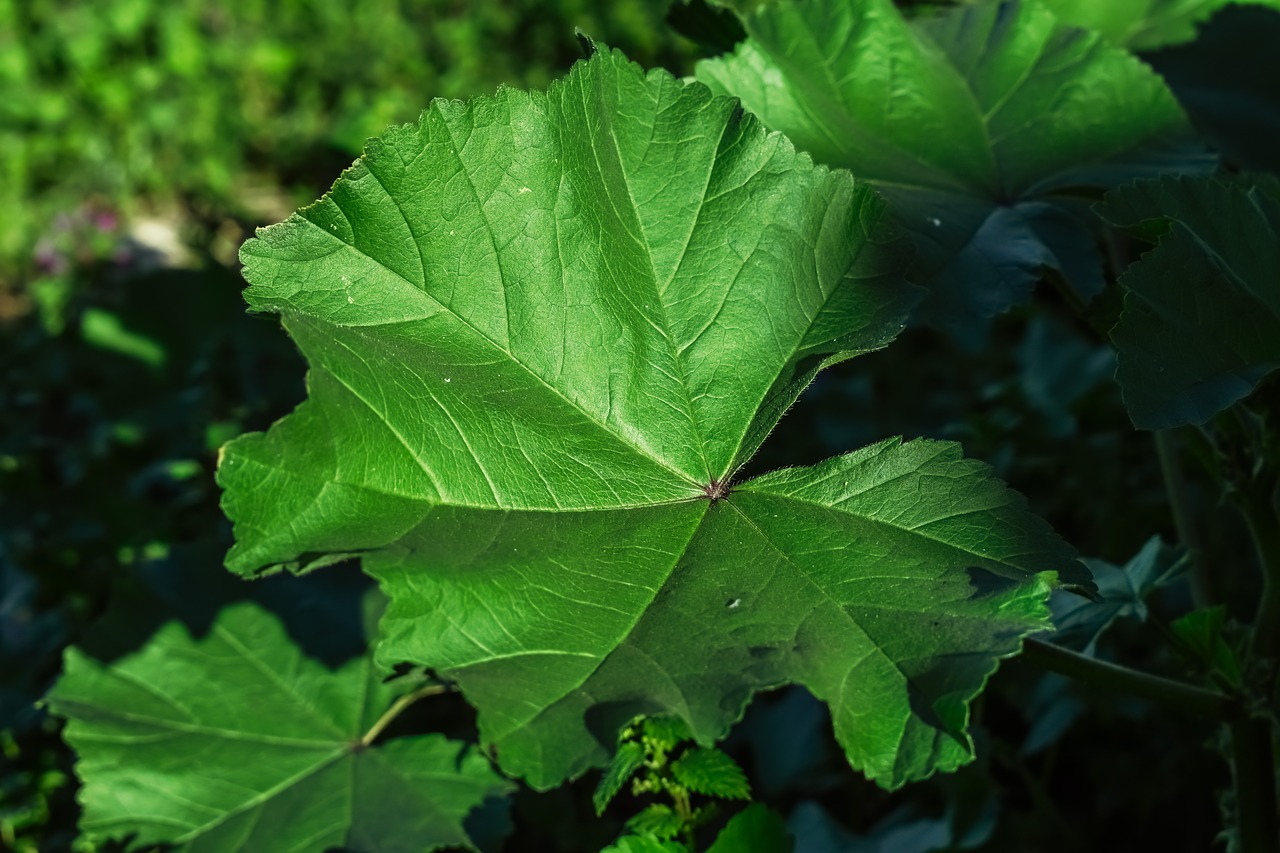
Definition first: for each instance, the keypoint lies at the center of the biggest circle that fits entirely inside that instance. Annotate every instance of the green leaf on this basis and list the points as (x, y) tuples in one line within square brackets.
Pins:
[(658, 821), (1144, 24), (645, 844), (1203, 635), (219, 732), (755, 829), (1201, 320), (628, 758), (545, 331), (711, 772), (985, 127)]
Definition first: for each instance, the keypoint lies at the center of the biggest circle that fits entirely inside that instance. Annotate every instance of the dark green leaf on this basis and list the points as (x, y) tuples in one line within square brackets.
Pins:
[(984, 126), (1201, 320), (545, 332), (1122, 593), (1226, 81), (1202, 632)]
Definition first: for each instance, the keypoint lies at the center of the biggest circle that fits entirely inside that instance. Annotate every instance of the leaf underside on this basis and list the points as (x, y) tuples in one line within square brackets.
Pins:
[(225, 735), (545, 330), (986, 128)]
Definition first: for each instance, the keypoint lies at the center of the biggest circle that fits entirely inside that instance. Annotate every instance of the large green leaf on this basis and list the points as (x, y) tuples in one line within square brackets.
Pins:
[(1201, 320), (984, 127), (1144, 24), (220, 732), (545, 332)]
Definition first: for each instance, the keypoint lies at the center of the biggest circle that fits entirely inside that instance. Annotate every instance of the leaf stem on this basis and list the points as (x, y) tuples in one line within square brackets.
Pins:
[(1255, 785), (1175, 486), (397, 707), (1179, 695), (1264, 525)]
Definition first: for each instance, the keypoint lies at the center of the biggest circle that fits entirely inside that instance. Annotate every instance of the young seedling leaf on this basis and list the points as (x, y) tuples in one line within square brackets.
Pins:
[(1144, 24), (709, 771), (1201, 320), (657, 821), (222, 733), (628, 758), (545, 331), (985, 127)]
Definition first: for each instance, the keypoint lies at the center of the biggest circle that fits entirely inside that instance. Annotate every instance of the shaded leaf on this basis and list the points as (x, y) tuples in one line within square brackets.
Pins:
[(1201, 320), (1226, 81), (227, 736), (1122, 593), (1203, 634), (545, 331), (1144, 24), (985, 127)]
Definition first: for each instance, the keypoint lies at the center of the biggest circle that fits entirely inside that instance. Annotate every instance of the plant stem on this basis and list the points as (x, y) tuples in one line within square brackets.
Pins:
[(1264, 525), (397, 707), (1184, 697), (1175, 486), (1255, 784)]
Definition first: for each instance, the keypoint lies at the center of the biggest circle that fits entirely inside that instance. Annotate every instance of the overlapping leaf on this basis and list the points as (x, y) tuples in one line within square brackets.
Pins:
[(1144, 24), (545, 330), (220, 732), (1201, 320), (984, 127)]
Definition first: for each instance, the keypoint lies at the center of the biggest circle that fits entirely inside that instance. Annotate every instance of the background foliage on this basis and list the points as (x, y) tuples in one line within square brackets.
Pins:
[(141, 141)]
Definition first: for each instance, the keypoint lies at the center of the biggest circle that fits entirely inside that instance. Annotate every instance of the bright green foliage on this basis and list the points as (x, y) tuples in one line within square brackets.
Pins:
[(983, 126), (545, 332), (1143, 24), (1201, 321), (220, 733), (755, 829), (238, 104), (711, 773)]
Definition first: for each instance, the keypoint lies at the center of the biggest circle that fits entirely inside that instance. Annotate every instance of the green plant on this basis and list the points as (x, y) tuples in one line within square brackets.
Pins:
[(549, 334)]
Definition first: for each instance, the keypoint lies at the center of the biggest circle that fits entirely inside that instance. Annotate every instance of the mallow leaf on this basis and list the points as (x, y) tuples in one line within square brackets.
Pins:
[(985, 127), (218, 730), (1144, 24), (1201, 320), (545, 331)]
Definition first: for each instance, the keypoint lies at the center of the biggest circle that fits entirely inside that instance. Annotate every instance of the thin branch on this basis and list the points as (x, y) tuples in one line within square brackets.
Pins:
[(1175, 486), (1255, 784), (1198, 701), (398, 706), (1260, 514)]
